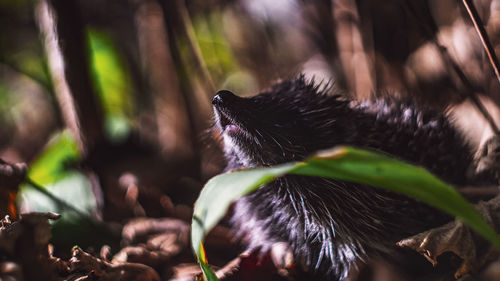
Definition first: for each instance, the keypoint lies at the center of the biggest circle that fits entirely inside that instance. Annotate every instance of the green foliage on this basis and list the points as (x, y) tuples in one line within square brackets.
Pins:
[(74, 188), (343, 163), (222, 190), (217, 54), (113, 83), (214, 47), (85, 233), (51, 169), (50, 166)]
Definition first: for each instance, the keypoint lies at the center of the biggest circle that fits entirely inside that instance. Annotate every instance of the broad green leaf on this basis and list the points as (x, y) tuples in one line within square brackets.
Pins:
[(375, 169), (50, 165), (74, 188), (343, 163), (221, 191), (52, 170)]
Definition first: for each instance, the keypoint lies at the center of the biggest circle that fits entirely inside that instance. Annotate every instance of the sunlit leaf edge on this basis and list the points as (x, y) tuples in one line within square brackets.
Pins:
[(341, 163)]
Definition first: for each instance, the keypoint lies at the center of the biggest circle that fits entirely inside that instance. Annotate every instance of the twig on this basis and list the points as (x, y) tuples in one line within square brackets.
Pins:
[(193, 46), (470, 93), (480, 191), (478, 24)]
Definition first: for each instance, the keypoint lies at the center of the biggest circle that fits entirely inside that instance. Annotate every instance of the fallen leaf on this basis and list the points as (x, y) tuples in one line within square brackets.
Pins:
[(459, 239)]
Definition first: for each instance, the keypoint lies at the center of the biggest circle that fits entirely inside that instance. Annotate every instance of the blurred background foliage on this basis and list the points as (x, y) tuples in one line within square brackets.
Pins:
[(123, 129)]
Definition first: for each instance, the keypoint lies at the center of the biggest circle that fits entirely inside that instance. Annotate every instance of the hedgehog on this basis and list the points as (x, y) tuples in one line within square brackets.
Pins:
[(331, 225)]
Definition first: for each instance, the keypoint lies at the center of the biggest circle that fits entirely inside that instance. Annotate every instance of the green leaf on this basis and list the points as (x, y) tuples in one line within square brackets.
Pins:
[(221, 190), (343, 163), (375, 169), (214, 47), (205, 268), (113, 83), (208, 273), (74, 188), (50, 165), (52, 170)]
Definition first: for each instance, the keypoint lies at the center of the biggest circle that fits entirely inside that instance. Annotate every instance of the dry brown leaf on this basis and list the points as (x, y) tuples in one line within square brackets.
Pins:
[(92, 268), (140, 230), (24, 247), (153, 242), (185, 272), (457, 238), (140, 254), (488, 158)]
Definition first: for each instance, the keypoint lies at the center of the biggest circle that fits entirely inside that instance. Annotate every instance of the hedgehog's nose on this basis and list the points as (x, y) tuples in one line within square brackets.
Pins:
[(223, 97)]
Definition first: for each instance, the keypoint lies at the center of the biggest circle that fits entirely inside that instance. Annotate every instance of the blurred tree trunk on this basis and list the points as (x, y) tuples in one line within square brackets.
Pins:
[(66, 46), (173, 123)]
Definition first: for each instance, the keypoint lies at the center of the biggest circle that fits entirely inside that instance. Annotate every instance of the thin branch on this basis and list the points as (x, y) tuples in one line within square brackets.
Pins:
[(193, 47), (470, 93), (479, 191), (471, 89), (176, 14), (478, 24)]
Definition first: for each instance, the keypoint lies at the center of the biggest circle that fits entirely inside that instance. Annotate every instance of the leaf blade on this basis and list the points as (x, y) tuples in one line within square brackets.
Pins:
[(249, 180), (342, 163)]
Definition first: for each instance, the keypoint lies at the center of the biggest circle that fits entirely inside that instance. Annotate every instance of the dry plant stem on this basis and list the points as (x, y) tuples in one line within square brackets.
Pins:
[(63, 25), (352, 52), (196, 88), (470, 93), (480, 191), (470, 88), (55, 62), (478, 24), (194, 49), (180, 21)]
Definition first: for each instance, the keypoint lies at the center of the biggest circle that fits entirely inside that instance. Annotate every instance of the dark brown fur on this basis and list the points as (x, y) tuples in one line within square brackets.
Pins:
[(331, 225)]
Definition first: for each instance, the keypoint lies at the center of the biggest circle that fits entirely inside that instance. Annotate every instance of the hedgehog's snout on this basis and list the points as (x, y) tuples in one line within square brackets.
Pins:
[(224, 98)]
